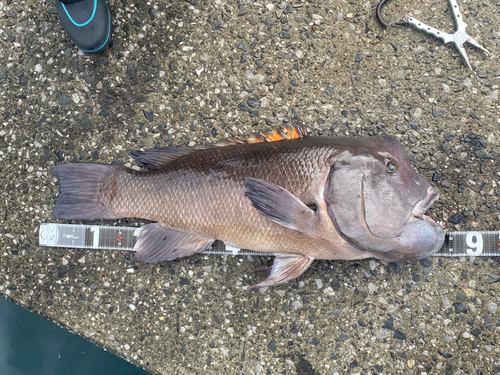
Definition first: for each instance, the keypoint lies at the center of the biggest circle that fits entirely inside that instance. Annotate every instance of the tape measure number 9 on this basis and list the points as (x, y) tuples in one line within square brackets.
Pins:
[(474, 241)]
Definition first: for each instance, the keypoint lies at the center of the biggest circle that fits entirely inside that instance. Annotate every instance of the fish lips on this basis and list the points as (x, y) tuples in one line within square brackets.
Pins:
[(422, 206)]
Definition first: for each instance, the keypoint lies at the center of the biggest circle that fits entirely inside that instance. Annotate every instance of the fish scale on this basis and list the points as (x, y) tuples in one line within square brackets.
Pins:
[(207, 187)]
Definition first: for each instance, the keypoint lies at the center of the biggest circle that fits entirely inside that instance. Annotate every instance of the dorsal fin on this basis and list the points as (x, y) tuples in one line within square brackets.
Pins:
[(158, 157), (295, 131)]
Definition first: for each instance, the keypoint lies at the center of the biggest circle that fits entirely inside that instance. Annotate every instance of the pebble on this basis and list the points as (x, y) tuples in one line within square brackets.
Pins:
[(488, 321), (372, 287), (389, 323), (446, 303), (395, 266), (272, 346), (481, 154), (399, 335), (328, 291), (342, 337), (467, 82), (449, 136), (85, 123), (476, 332), (491, 279), (149, 115), (444, 354), (383, 334), (373, 264), (329, 90), (460, 308), (63, 99), (418, 112), (253, 102), (427, 262), (492, 306), (243, 46), (436, 112)]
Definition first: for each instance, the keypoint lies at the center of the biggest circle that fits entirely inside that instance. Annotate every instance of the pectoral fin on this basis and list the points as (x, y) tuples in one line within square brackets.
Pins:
[(156, 243), (285, 268), (279, 205)]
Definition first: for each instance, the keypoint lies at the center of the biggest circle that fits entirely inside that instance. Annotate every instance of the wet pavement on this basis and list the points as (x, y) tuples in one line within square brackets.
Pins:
[(188, 73)]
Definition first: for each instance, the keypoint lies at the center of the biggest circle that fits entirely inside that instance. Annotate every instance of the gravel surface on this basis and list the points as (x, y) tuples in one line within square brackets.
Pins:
[(192, 72)]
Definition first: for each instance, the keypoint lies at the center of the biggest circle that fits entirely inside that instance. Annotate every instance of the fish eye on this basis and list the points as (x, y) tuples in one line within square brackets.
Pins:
[(391, 168)]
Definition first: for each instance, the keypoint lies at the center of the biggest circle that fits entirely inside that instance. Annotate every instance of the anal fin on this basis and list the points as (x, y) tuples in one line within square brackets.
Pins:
[(285, 268), (156, 243)]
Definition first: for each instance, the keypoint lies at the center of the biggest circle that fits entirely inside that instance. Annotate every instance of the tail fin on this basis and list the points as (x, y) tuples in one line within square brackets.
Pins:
[(80, 191)]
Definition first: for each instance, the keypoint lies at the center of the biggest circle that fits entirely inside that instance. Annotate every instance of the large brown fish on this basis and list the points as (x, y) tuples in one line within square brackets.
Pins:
[(305, 198)]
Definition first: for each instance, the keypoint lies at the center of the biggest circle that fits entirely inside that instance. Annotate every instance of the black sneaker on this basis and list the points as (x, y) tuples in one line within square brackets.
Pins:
[(87, 23)]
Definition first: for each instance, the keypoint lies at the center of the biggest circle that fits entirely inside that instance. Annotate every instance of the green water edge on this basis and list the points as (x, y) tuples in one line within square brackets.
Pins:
[(30, 344)]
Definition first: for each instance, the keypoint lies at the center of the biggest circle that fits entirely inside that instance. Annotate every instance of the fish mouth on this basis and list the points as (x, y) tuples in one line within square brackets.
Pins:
[(422, 206)]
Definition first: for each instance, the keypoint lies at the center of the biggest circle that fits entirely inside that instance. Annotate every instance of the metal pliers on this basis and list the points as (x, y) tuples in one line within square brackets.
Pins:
[(458, 38)]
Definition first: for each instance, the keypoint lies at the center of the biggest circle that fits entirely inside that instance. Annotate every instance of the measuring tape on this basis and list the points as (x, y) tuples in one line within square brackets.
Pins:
[(483, 243), (99, 237)]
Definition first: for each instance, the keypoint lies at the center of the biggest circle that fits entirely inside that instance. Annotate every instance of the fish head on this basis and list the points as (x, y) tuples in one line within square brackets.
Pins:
[(378, 201)]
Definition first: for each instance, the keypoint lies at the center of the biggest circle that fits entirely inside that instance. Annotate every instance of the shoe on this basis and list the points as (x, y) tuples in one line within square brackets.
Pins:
[(87, 23)]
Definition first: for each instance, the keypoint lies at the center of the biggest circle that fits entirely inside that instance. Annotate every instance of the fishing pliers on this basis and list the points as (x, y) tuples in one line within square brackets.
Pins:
[(458, 38)]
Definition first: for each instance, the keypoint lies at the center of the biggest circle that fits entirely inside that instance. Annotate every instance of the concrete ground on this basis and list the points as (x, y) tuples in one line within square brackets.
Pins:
[(192, 72)]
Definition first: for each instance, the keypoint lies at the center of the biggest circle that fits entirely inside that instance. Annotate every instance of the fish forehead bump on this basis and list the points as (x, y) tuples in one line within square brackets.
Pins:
[(382, 148), (385, 146), (390, 146)]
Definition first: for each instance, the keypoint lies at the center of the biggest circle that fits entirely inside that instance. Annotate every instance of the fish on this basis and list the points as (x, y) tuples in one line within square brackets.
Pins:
[(300, 197)]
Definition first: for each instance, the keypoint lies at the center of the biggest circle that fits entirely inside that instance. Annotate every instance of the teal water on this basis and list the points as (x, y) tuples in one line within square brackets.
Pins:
[(31, 345)]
